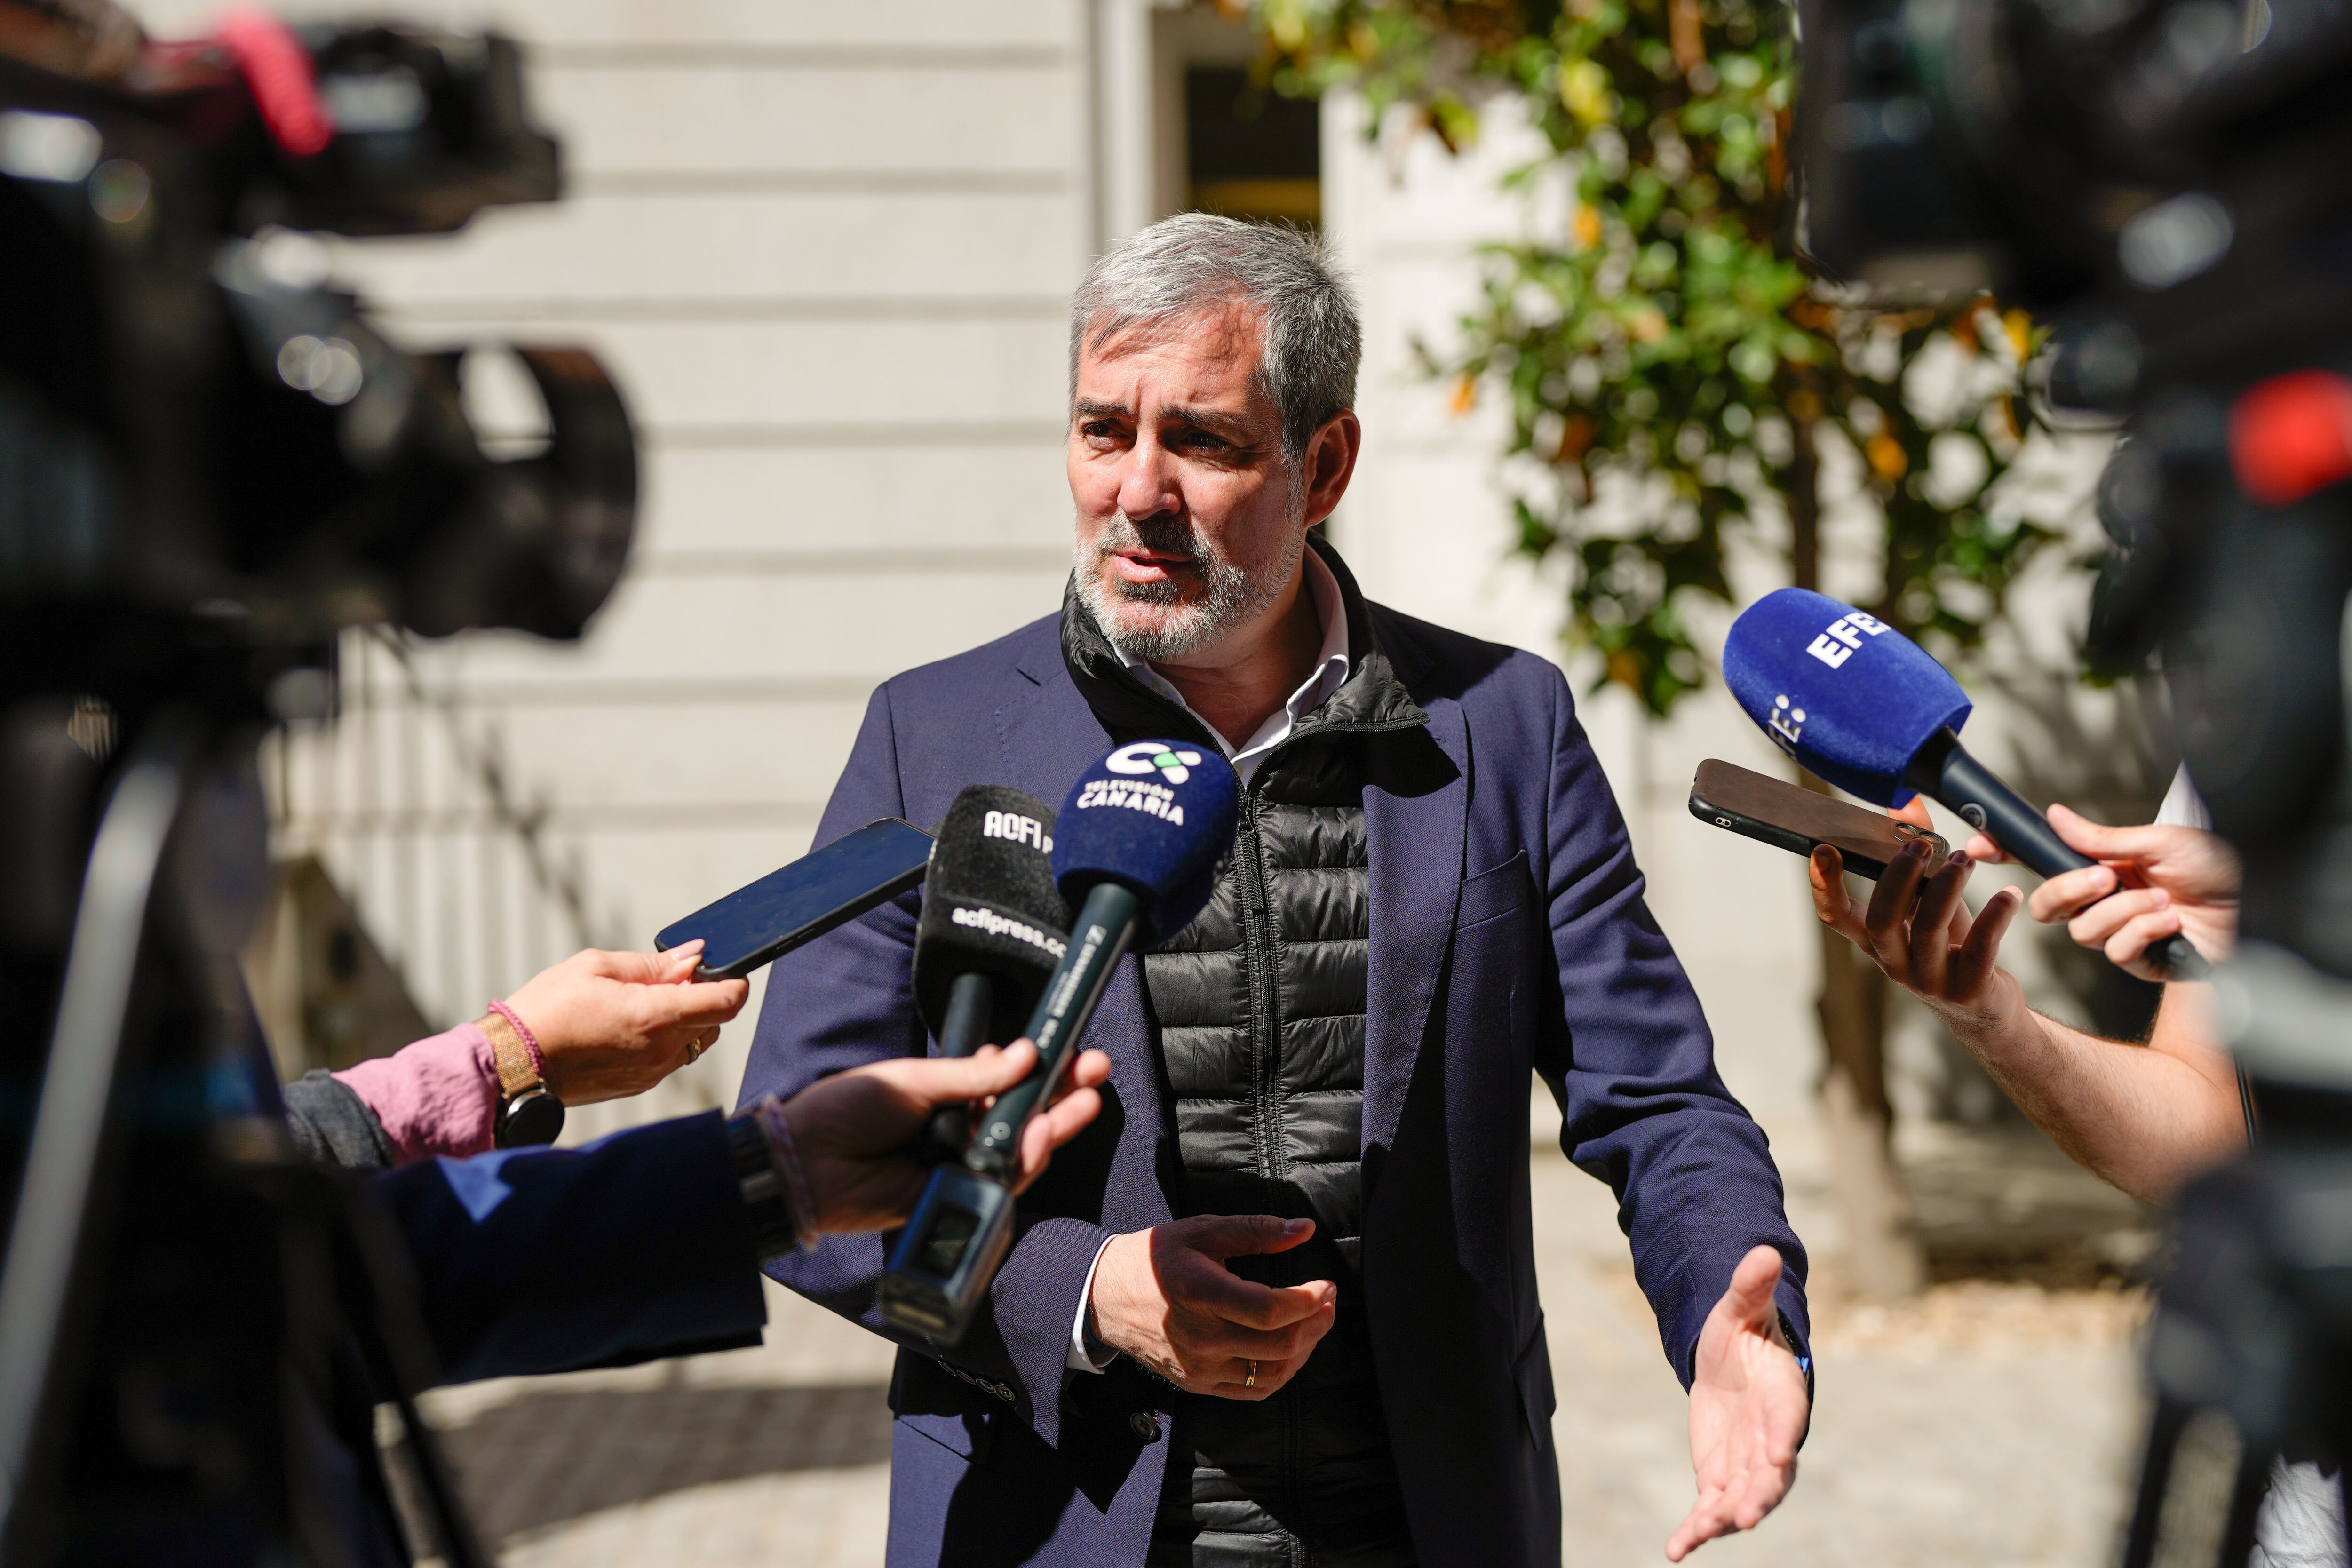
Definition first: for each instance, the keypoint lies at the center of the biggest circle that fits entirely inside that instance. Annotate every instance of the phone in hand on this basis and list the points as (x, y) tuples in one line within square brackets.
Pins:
[(799, 902), (1777, 812)]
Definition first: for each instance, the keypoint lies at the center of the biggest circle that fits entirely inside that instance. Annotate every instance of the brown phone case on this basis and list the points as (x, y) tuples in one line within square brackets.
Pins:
[(1795, 819)]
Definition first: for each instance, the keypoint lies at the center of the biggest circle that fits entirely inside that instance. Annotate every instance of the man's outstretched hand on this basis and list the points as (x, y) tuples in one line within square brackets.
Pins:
[(1748, 1409)]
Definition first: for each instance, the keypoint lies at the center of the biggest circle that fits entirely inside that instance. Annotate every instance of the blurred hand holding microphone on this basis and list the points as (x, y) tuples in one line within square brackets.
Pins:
[(1859, 704)]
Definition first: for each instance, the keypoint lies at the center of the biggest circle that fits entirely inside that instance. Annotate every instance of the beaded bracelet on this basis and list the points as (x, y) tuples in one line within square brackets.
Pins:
[(522, 1032), (777, 1128)]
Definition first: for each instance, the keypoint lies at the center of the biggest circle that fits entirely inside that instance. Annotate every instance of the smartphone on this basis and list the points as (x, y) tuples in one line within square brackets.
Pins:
[(801, 901), (1795, 819)]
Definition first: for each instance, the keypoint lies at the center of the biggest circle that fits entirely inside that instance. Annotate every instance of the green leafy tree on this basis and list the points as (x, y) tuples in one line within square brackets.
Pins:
[(1674, 373), (1667, 338)]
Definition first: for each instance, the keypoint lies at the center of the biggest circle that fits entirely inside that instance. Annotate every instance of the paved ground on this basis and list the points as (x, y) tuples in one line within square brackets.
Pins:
[(1987, 1426)]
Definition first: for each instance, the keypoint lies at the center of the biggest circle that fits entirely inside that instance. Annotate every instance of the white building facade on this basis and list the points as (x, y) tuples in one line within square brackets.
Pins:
[(827, 249)]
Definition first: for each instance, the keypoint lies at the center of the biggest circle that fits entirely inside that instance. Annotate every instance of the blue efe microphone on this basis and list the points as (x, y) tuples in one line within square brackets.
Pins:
[(1137, 846), (1849, 697), (1858, 703)]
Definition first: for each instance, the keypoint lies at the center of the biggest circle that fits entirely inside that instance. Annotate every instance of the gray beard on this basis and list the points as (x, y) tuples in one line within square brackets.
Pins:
[(1236, 595)]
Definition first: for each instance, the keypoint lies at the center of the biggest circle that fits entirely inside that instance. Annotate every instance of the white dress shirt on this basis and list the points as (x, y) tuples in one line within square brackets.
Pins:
[(2183, 806), (1330, 673)]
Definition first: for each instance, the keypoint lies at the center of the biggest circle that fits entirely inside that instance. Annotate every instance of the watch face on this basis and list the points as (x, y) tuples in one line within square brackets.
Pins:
[(534, 1116)]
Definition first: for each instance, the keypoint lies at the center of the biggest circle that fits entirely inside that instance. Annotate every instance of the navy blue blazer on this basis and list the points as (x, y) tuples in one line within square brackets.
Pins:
[(1508, 934)]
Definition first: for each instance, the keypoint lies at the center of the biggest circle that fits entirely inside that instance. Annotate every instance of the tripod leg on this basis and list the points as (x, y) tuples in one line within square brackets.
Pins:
[(460, 1546), (2246, 1496), (49, 1232), (2164, 1430), (407, 1352)]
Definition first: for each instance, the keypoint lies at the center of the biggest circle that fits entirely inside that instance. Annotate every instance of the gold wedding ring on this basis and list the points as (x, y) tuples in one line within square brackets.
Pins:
[(694, 1050), (1251, 1381)]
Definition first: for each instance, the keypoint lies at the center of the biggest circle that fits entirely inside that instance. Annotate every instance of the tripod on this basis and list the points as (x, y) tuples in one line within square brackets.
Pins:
[(195, 1327)]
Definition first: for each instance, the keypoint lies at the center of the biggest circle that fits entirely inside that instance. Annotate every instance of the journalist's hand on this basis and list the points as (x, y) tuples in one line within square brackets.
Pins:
[(611, 1024), (1748, 1409), (849, 1130), (1165, 1297), (1918, 929), (2171, 879)]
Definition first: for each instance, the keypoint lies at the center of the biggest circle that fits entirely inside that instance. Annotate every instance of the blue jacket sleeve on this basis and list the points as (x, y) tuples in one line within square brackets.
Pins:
[(537, 1260), (848, 1000), (1627, 1053)]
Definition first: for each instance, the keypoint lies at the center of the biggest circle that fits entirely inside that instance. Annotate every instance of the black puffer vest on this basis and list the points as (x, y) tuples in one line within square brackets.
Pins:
[(1258, 1019)]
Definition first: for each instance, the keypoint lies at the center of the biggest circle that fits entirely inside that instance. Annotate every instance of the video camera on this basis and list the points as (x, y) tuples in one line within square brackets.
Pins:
[(2159, 176), (205, 426), (210, 463), (2164, 181)]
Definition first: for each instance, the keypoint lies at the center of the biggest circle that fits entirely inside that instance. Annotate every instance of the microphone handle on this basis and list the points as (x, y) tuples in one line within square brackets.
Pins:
[(971, 998), (1098, 939), (1945, 770)]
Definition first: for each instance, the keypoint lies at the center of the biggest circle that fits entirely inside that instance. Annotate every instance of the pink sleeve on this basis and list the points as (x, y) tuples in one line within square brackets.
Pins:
[(439, 1096)]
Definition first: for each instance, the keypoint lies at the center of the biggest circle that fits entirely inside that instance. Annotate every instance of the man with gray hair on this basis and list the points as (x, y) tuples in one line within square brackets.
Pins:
[(1279, 1306)]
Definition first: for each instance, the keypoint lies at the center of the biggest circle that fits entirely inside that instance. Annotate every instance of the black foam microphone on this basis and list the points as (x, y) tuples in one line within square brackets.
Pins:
[(992, 928), (1864, 706)]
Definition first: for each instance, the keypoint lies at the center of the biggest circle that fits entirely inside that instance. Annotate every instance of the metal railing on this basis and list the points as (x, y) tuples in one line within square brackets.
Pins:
[(459, 872)]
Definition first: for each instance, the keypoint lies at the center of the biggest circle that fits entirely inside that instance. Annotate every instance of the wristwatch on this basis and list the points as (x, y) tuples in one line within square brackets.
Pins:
[(529, 1112), (773, 1234)]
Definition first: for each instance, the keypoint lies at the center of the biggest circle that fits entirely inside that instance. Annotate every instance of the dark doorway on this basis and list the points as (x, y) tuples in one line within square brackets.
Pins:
[(1249, 152)]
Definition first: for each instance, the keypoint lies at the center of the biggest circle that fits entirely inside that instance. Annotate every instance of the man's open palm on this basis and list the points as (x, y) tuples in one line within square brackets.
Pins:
[(1748, 1409)]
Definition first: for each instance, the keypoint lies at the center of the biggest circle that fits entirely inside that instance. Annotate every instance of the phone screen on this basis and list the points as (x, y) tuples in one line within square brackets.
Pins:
[(801, 901)]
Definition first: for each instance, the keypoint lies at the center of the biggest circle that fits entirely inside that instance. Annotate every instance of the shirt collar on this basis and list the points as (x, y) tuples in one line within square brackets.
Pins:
[(1330, 671)]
